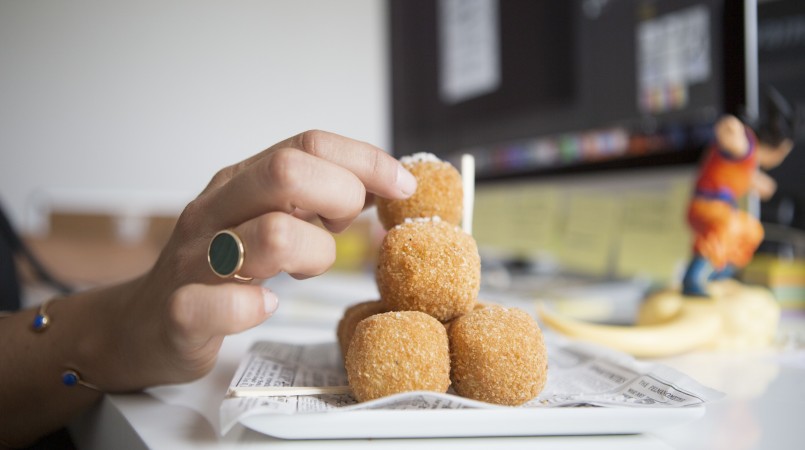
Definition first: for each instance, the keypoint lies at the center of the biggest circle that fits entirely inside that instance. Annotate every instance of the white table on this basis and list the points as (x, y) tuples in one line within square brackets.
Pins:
[(763, 408)]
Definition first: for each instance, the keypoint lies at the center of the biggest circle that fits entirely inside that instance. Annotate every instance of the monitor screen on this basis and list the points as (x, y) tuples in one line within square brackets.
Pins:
[(781, 64), (537, 87)]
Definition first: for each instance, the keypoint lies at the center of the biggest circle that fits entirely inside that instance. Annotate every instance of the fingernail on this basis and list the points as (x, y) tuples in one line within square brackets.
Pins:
[(270, 300), (406, 182)]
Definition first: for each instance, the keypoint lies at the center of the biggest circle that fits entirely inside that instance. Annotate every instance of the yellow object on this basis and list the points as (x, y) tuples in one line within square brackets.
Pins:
[(785, 278), (353, 247), (749, 316), (736, 317), (653, 236), (694, 325), (521, 220), (590, 233)]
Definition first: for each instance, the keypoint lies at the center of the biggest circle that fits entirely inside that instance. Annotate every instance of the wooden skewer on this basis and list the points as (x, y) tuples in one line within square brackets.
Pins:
[(468, 184), (285, 391)]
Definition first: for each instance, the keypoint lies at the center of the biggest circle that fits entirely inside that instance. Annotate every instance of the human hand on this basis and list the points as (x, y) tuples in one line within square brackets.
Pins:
[(176, 316)]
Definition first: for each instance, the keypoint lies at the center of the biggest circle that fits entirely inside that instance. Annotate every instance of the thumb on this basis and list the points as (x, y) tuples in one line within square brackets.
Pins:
[(203, 311)]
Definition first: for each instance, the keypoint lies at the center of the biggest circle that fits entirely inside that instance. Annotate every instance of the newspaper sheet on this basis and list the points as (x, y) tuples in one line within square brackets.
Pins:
[(282, 378)]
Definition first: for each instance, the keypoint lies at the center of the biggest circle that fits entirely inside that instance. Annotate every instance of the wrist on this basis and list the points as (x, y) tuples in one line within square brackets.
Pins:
[(99, 346)]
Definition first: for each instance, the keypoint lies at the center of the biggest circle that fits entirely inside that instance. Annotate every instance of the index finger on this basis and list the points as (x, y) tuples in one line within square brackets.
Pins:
[(380, 173)]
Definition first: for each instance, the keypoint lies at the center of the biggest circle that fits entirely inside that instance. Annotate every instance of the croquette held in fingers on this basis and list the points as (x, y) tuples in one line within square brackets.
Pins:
[(439, 193)]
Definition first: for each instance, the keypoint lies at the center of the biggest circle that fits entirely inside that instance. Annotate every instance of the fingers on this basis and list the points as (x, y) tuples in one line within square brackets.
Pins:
[(204, 311), (285, 180), (278, 242), (378, 171), (321, 172), (312, 174), (381, 173)]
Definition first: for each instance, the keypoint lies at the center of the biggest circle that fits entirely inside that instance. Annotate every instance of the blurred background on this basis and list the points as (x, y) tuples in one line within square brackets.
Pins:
[(587, 119), (115, 114)]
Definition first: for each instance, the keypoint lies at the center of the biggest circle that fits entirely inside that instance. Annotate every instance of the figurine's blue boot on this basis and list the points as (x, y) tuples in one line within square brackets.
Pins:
[(727, 272), (693, 282)]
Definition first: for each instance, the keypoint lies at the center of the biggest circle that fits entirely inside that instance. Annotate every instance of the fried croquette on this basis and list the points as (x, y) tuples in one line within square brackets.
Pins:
[(478, 305), (397, 352), (497, 355), (439, 192), (352, 316), (431, 266)]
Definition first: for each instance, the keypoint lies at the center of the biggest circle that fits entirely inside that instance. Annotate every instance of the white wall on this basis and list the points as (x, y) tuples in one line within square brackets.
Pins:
[(140, 102)]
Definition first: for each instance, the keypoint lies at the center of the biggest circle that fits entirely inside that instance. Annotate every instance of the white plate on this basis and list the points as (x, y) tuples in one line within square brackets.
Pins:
[(470, 422)]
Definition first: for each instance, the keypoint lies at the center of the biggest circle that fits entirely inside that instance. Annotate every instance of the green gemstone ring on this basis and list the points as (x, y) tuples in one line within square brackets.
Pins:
[(226, 255)]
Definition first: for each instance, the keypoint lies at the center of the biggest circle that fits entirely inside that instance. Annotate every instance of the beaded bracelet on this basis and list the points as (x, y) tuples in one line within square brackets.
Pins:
[(42, 319), (71, 378)]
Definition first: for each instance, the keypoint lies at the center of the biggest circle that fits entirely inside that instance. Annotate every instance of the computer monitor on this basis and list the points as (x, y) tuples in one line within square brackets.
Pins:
[(545, 87), (575, 94)]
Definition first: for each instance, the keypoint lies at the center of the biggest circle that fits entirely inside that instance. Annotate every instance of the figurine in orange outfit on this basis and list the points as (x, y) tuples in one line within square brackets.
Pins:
[(726, 237)]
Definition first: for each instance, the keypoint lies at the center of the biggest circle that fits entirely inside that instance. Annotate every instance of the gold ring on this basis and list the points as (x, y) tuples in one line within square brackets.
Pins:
[(226, 254)]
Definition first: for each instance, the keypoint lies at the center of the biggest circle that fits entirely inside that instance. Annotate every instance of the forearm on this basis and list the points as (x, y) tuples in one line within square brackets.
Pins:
[(80, 337)]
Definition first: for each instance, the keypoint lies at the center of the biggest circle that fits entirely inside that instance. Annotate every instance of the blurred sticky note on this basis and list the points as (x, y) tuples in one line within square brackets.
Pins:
[(654, 240), (518, 219), (590, 233)]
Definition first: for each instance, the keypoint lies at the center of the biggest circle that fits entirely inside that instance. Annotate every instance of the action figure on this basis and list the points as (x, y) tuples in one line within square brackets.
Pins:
[(728, 315), (726, 237)]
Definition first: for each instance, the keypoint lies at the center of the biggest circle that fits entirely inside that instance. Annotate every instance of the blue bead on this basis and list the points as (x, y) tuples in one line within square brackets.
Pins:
[(39, 322), (69, 379)]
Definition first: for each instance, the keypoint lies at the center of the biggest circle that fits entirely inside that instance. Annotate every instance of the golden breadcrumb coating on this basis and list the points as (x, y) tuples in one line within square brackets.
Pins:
[(478, 305), (439, 193), (431, 266), (481, 304), (497, 355), (397, 352), (352, 315)]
